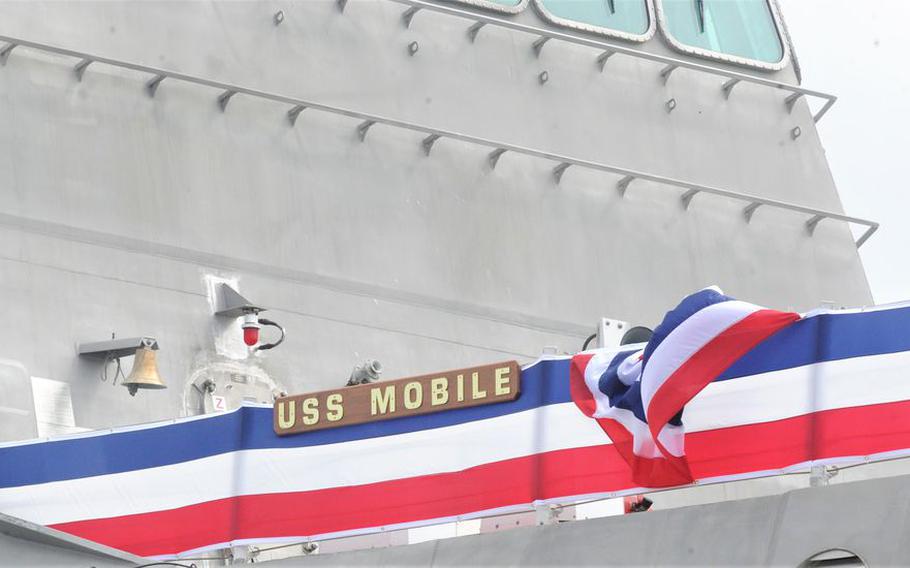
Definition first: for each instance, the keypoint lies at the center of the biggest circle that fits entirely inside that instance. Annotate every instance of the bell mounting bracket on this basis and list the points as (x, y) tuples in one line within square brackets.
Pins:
[(116, 348)]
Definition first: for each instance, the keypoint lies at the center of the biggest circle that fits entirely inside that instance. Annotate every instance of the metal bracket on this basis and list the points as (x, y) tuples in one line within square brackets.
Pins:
[(667, 71), (116, 348), (749, 210), (428, 142), (687, 197), (603, 57), (294, 113), (472, 31), (224, 98), (813, 222), (791, 100), (623, 184), (493, 157), (363, 128), (728, 87), (559, 170), (151, 86), (872, 228), (538, 44), (341, 5), (81, 67), (408, 15), (232, 305), (5, 51)]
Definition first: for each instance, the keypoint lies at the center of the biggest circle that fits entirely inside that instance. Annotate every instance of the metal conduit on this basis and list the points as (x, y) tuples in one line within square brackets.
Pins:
[(227, 91), (606, 50)]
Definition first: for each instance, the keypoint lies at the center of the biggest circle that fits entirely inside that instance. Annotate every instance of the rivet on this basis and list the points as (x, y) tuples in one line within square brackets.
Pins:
[(671, 104), (278, 17), (796, 132), (543, 77), (413, 47)]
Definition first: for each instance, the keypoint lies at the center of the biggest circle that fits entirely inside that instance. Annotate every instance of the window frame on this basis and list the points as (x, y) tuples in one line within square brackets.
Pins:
[(495, 6), (600, 30), (725, 57)]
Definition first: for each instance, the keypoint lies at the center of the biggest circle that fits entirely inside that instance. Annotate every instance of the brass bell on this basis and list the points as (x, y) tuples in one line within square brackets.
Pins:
[(144, 374)]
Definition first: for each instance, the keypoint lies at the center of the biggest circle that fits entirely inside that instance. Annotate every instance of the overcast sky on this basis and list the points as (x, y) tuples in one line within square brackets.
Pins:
[(859, 50)]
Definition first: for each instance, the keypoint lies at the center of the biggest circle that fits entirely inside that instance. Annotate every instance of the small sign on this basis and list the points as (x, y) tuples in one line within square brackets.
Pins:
[(425, 394), (219, 403)]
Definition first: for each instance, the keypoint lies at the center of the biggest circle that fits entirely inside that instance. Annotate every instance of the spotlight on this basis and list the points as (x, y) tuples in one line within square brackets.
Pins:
[(366, 372), (638, 334)]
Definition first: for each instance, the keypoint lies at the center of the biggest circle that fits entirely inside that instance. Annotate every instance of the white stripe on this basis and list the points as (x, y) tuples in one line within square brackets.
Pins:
[(684, 341), (426, 452), (859, 381), (776, 395), (762, 398)]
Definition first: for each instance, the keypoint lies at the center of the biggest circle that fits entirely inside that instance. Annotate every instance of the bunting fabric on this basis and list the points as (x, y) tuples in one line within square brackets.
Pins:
[(638, 395), (723, 391)]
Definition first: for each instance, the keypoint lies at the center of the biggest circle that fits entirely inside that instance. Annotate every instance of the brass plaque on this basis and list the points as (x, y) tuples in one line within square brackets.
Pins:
[(344, 406)]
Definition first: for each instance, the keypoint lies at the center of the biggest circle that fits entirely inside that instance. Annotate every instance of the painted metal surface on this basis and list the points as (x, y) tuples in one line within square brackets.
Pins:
[(120, 212), (866, 518), (118, 204)]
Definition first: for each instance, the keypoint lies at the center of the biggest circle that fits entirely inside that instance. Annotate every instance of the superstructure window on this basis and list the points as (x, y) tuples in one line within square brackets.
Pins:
[(624, 18), (746, 30), (506, 6)]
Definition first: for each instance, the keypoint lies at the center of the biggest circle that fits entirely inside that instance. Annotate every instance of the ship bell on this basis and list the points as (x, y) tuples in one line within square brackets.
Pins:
[(144, 374)]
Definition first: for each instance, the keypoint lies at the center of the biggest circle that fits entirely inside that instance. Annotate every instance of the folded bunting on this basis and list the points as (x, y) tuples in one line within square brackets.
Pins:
[(638, 395), (724, 390)]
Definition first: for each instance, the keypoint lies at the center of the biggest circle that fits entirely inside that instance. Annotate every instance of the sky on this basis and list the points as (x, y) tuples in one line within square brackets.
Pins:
[(859, 51)]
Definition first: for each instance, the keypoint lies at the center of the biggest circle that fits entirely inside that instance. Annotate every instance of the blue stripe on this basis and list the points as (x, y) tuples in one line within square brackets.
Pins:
[(250, 428), (688, 307), (827, 337)]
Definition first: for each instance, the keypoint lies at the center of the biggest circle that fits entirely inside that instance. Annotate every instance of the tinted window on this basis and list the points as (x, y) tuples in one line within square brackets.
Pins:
[(629, 16), (741, 28)]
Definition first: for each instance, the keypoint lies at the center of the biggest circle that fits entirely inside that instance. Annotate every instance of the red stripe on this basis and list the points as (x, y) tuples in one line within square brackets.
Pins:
[(708, 363), (646, 472), (730, 451), (578, 388)]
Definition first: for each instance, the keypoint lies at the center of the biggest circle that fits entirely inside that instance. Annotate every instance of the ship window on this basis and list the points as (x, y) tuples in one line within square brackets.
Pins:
[(506, 6), (746, 30), (624, 18)]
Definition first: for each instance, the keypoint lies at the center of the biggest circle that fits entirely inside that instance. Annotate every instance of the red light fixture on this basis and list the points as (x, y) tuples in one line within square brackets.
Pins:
[(251, 328)]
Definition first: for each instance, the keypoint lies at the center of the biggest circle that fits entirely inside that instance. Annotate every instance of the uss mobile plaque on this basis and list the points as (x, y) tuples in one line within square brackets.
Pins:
[(461, 388)]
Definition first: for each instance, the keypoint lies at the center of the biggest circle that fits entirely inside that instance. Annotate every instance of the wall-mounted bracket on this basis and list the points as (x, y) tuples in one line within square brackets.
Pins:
[(667, 71), (151, 86), (813, 222), (538, 44), (224, 98), (428, 142), (232, 304), (493, 157), (749, 210), (603, 57), (294, 113), (5, 51), (728, 87), (623, 185), (559, 170), (791, 100), (363, 128), (81, 67), (116, 348), (408, 15), (687, 197), (472, 31)]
